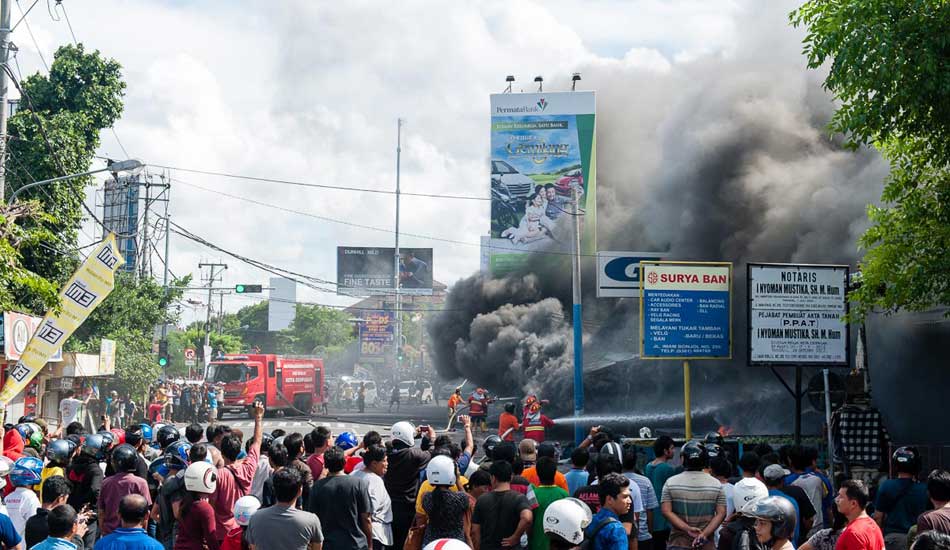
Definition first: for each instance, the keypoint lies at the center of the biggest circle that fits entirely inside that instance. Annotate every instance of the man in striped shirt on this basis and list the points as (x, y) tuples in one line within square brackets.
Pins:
[(693, 502)]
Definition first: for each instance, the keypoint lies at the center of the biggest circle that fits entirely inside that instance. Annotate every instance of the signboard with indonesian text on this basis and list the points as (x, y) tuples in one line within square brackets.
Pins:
[(686, 310)]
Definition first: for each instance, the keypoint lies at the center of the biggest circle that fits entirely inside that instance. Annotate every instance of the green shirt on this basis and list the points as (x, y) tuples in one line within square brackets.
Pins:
[(658, 474), (545, 495)]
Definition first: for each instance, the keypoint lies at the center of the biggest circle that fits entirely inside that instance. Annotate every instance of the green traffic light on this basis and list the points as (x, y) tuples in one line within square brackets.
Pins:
[(162, 361), (239, 289)]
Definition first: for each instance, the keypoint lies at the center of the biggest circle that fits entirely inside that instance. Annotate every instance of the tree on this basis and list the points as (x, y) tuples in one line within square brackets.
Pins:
[(54, 133), (890, 71), (20, 288)]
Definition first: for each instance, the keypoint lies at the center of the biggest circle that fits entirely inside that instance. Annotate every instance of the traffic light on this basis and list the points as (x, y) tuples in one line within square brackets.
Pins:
[(248, 289), (400, 355), (163, 353)]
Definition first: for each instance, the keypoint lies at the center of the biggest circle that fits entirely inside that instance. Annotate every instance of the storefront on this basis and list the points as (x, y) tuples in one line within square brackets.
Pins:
[(17, 329)]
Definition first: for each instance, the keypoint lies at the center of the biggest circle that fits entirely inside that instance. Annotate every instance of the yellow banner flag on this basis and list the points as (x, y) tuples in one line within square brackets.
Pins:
[(84, 291)]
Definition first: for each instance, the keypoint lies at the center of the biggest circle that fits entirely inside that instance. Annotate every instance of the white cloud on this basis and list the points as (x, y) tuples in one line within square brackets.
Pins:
[(310, 91)]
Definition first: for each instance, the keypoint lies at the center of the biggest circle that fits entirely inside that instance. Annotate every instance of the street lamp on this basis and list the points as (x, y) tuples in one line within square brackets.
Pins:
[(133, 166)]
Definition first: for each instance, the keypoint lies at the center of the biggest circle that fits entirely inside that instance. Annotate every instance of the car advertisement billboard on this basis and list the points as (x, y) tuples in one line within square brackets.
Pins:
[(369, 271), (797, 315), (542, 158)]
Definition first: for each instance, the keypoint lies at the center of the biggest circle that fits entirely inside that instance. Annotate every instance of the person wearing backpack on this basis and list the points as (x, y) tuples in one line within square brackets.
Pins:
[(605, 531), (738, 531)]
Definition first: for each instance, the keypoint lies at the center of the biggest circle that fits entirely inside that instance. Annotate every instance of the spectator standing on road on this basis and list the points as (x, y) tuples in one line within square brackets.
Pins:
[(130, 535), (212, 399), (651, 505), (294, 444), (375, 466), (282, 526), (826, 539), (738, 530), (69, 408), (546, 492), (502, 515), (394, 398), (606, 531), (900, 501), (531, 474), (774, 477), (402, 477), (693, 502), (119, 485), (659, 471), (343, 505), (321, 442), (862, 533), (235, 477), (446, 507), (800, 461), (55, 492), (361, 397), (193, 513), (774, 522), (938, 489)]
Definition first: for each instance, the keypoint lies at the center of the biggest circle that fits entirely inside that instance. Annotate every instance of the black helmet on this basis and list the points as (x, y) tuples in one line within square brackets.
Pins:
[(266, 441), (489, 445), (27, 419), (713, 437), (124, 458), (694, 455), (907, 460), (713, 450), (167, 435), (108, 438), (59, 450), (94, 446), (779, 511)]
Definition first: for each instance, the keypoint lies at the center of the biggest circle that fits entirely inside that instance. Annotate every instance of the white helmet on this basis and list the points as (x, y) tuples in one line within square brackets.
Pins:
[(405, 432), (201, 477), (6, 466), (446, 544), (747, 491), (441, 470), (567, 518), (244, 508)]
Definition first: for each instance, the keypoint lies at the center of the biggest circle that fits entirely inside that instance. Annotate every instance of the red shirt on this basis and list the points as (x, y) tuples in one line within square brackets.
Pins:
[(113, 489), (351, 463), (233, 540), (507, 422), (155, 412), (196, 528), (861, 534), (316, 465), (234, 482)]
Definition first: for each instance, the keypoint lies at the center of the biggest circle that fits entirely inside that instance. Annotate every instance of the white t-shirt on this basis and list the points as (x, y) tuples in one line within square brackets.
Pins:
[(21, 506), (382, 507), (69, 409)]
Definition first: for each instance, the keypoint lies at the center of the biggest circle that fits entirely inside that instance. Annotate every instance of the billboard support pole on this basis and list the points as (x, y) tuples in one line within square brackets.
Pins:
[(398, 339), (798, 405), (579, 431), (831, 442), (687, 406)]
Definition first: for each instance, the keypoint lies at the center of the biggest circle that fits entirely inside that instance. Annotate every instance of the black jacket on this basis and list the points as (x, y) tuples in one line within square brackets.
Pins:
[(37, 530), (86, 476)]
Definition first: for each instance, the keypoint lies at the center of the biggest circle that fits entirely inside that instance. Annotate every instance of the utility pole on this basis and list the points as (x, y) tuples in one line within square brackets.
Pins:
[(578, 326), (396, 259), (5, 32), (212, 277)]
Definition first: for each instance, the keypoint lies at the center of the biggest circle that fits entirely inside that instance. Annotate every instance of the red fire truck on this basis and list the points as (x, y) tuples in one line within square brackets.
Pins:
[(291, 384)]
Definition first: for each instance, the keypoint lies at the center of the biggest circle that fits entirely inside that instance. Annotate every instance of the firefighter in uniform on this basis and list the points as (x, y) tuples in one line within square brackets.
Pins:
[(535, 423), (478, 409)]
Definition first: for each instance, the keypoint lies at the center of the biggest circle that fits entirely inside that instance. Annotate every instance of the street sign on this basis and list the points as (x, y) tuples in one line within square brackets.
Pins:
[(796, 315), (686, 310), (190, 362), (618, 273), (190, 355)]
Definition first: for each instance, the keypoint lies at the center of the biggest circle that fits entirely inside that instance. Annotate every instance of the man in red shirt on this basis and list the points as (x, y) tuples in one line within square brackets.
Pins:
[(234, 478), (535, 423), (508, 423), (862, 532), (321, 442)]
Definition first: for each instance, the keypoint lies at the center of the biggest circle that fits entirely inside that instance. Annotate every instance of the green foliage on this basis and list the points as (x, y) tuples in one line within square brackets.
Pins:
[(890, 70), (20, 288), (81, 95)]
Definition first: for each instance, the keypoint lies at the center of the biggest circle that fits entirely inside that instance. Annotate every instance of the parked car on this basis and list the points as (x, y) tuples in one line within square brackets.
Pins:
[(564, 184), (510, 184), (409, 391), (372, 393)]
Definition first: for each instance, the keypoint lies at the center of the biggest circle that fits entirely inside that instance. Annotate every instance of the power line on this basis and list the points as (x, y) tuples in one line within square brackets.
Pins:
[(30, 31), (371, 227), (322, 186), (59, 5), (334, 306)]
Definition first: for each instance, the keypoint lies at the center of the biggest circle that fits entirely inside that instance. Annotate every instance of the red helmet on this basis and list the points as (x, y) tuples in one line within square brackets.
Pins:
[(119, 435)]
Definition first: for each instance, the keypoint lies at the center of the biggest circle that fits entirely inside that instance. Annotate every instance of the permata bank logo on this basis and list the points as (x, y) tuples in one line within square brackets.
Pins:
[(538, 107)]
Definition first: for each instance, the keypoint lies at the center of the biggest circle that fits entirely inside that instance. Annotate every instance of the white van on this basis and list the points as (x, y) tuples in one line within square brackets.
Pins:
[(372, 395)]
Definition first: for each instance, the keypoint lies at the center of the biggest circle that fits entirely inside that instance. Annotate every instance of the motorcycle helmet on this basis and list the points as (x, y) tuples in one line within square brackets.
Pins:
[(118, 435), (266, 441), (441, 470), (6, 465), (612, 448), (907, 460), (176, 455), (26, 430), (489, 445), (567, 518), (108, 438), (26, 419), (447, 544), (694, 455), (201, 477), (747, 492), (157, 466), (779, 511), (146, 432), (95, 446), (347, 440), (27, 472), (713, 450), (60, 450), (154, 439), (244, 508), (405, 432), (124, 458), (167, 435), (713, 437)]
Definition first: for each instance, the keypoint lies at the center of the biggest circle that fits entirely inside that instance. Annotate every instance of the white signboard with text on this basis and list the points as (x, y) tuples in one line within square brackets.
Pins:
[(796, 315)]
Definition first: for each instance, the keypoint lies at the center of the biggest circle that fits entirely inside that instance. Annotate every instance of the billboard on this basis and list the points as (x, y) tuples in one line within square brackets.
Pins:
[(281, 304), (796, 315), (369, 271), (686, 310), (618, 273), (120, 215), (377, 332), (542, 158)]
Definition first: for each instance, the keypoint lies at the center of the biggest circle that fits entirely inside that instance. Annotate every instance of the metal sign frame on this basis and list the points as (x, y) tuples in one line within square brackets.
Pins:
[(728, 265), (847, 310)]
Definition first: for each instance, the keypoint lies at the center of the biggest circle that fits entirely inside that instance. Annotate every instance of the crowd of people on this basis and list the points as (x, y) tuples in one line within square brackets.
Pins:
[(149, 486)]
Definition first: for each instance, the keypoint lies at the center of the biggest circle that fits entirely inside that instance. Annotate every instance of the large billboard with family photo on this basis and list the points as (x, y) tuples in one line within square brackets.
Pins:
[(542, 161)]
